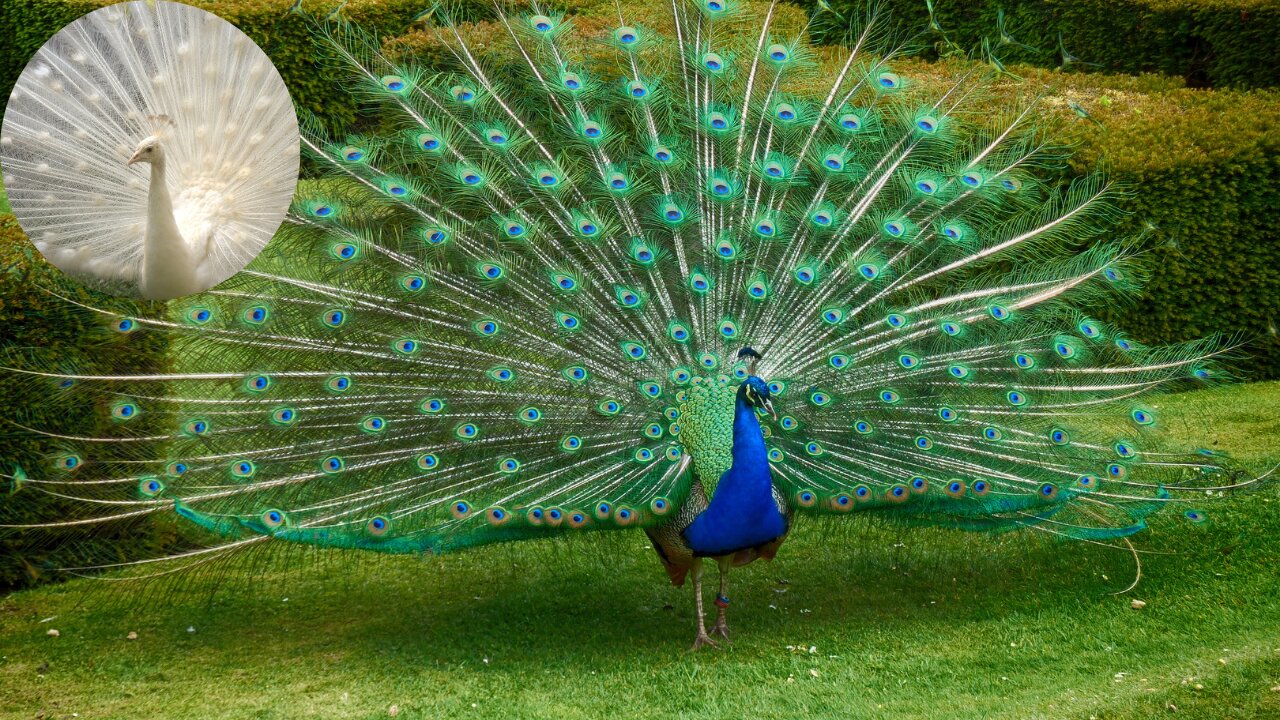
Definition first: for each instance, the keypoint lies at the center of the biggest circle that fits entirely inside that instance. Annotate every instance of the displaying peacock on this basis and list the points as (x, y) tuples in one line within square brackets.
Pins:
[(667, 275), (166, 87)]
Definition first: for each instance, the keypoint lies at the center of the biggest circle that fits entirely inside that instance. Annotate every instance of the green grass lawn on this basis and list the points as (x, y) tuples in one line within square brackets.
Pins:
[(859, 620)]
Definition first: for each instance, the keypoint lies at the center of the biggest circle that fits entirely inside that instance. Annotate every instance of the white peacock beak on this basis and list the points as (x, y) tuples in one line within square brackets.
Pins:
[(137, 156), (768, 405)]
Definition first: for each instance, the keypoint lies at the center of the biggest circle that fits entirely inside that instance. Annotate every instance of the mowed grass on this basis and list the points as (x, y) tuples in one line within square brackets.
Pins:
[(855, 620)]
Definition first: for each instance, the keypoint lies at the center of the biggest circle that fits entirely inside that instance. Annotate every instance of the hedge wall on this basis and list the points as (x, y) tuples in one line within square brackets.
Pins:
[(1203, 170), (38, 330), (1209, 43), (283, 35)]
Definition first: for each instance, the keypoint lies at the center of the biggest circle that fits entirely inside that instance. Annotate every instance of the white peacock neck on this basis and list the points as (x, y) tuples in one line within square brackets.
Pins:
[(167, 268)]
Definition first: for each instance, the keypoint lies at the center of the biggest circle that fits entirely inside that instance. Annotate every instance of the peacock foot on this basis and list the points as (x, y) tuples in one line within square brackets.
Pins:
[(702, 639), (722, 629)]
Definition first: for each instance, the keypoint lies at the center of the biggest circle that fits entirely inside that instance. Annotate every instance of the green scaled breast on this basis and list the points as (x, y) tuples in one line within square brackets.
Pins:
[(706, 413)]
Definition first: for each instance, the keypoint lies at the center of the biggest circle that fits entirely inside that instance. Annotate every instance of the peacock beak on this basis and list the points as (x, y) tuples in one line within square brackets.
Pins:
[(134, 158), (768, 405)]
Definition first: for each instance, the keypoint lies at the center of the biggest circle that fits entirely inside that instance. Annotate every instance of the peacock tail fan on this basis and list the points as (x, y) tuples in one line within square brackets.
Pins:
[(515, 309)]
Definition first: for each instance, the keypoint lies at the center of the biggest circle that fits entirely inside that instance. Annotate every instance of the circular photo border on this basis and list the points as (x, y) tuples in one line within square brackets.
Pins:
[(150, 150)]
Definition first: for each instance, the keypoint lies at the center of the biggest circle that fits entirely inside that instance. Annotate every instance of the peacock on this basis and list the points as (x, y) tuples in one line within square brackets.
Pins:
[(165, 87), (680, 272)]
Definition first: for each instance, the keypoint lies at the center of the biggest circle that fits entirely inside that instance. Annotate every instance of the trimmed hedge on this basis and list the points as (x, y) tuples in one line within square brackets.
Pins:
[(1203, 171), (39, 330), (1204, 168), (284, 36), (1206, 42), (592, 20)]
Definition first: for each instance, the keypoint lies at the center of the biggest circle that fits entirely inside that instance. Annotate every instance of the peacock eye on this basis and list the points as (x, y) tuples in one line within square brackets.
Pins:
[(627, 35)]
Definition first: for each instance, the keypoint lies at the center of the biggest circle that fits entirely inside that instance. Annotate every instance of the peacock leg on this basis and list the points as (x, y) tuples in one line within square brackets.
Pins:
[(702, 638), (722, 598)]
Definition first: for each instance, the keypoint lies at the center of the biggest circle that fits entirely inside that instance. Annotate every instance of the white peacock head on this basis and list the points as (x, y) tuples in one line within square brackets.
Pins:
[(148, 151)]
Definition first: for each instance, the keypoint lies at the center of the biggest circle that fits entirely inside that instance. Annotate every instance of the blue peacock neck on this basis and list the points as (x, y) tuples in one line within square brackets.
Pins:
[(749, 452), (742, 513), (167, 270)]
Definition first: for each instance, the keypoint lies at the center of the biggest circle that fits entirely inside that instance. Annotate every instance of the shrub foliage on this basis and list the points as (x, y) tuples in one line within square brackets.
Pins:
[(280, 33), (40, 329), (1208, 43)]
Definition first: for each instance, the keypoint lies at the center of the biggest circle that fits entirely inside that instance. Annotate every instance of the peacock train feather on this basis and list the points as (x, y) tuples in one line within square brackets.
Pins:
[(586, 279)]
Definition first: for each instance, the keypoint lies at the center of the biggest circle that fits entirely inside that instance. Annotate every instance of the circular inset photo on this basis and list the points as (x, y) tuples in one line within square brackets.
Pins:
[(150, 149)]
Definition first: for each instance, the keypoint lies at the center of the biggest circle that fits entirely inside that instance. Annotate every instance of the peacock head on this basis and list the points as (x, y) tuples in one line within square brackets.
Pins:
[(754, 392), (148, 151)]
